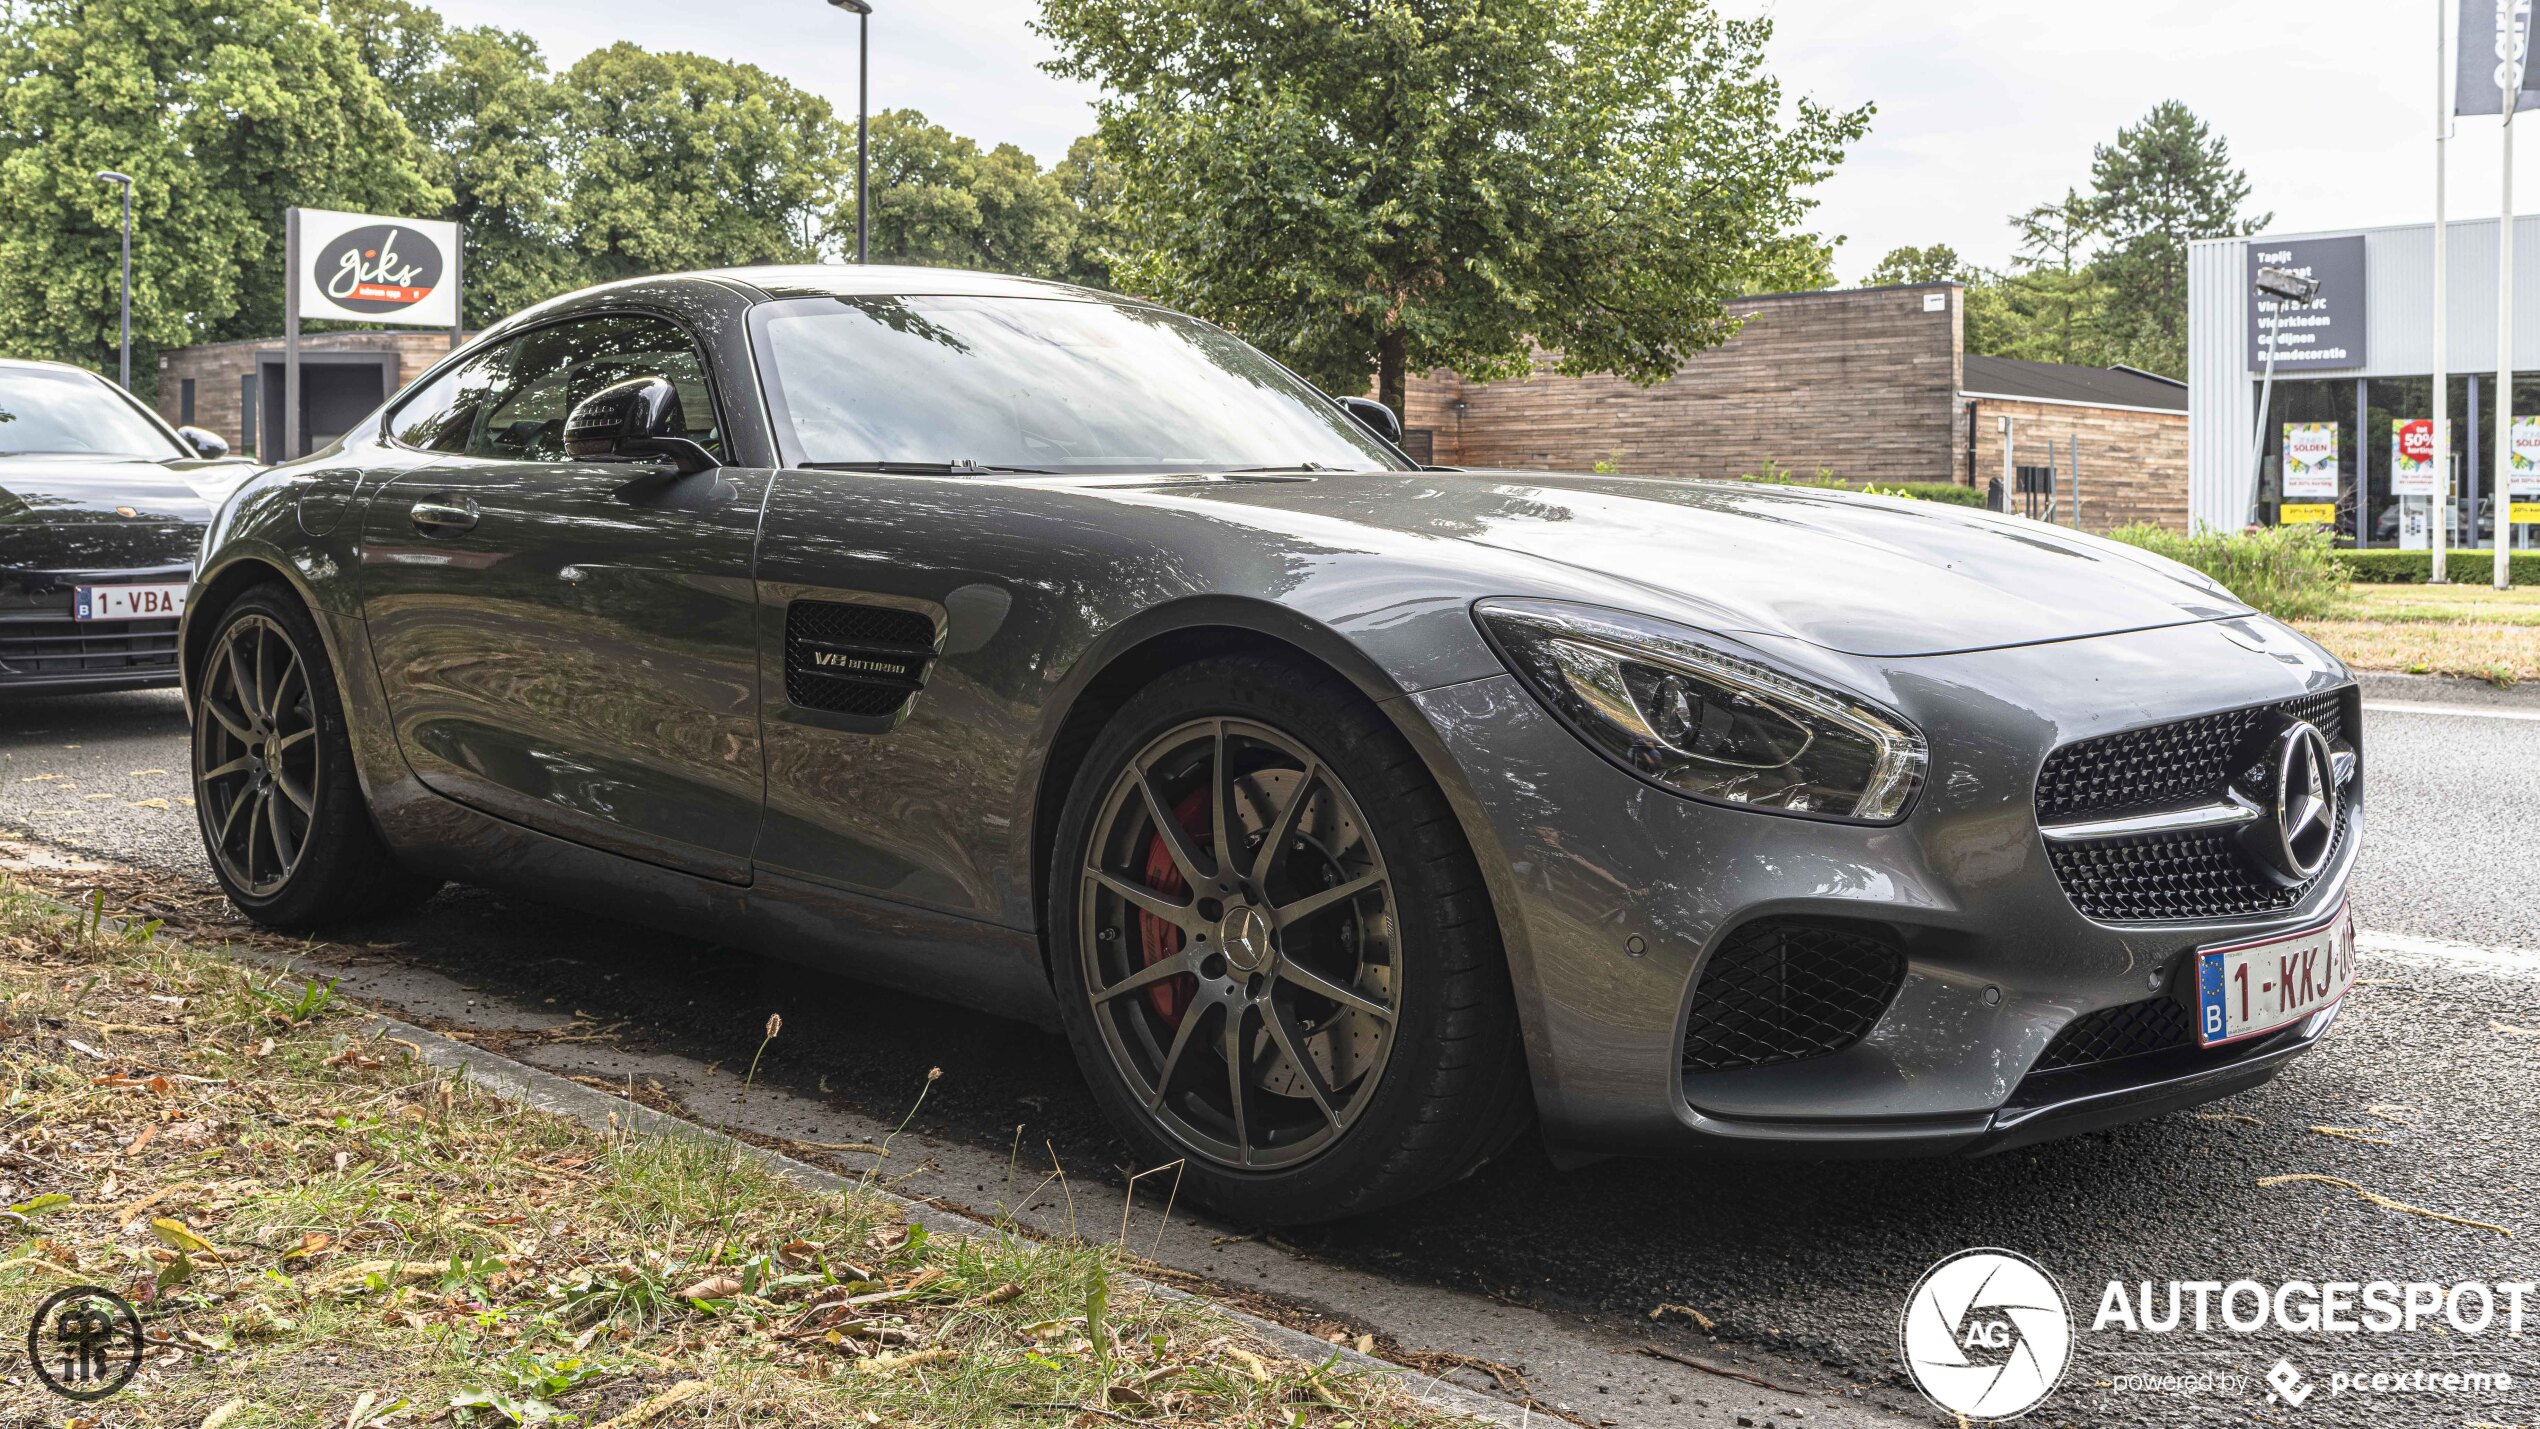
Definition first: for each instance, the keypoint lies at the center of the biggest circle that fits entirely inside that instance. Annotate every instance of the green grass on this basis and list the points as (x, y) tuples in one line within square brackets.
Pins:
[(387, 1243)]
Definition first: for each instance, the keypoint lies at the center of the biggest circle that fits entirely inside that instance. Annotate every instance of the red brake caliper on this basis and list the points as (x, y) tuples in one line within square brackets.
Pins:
[(1157, 939)]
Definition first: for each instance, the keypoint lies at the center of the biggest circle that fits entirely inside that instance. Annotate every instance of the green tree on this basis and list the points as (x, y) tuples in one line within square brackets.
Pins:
[(678, 161), (1090, 181), (939, 200), (1938, 263), (2166, 181), (225, 115), (2056, 282), (488, 112), (1380, 188), (1793, 263)]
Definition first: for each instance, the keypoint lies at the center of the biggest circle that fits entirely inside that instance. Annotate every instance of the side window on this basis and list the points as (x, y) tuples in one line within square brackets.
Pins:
[(439, 418), (554, 368)]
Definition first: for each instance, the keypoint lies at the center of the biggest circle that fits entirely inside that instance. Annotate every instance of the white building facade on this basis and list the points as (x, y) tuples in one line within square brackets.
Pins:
[(2348, 432)]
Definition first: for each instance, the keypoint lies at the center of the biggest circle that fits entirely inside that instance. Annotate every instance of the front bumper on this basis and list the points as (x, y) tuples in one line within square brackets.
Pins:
[(43, 649), (1615, 893)]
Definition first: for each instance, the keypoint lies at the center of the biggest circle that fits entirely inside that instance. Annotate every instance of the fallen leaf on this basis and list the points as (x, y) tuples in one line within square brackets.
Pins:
[(144, 773), (148, 1133), (310, 1244), (227, 1411), (178, 1234), (713, 1287), (149, 803)]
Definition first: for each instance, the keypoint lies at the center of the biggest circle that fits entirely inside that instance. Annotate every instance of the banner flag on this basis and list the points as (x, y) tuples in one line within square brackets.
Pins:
[(2492, 33)]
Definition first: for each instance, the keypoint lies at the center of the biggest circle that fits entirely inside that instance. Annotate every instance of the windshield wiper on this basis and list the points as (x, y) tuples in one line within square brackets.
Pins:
[(925, 468)]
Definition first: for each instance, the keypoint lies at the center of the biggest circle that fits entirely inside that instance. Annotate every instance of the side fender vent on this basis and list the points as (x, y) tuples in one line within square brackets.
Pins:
[(855, 659)]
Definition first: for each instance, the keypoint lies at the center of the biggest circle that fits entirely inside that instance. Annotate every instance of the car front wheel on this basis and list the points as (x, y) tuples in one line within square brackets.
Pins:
[(284, 823), (1274, 952)]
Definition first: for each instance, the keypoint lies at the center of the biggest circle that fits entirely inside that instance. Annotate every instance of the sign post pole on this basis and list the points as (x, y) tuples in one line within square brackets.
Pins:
[(290, 443), (458, 296)]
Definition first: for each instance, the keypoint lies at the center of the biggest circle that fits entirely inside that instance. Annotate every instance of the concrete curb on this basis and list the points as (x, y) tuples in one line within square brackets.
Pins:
[(2447, 690), (524, 1085)]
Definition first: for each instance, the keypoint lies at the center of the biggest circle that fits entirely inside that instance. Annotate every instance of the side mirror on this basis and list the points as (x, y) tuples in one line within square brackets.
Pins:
[(639, 419), (1375, 416), (206, 445)]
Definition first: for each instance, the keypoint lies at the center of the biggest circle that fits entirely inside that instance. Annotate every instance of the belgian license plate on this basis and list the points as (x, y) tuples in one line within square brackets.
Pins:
[(128, 602), (2245, 989)]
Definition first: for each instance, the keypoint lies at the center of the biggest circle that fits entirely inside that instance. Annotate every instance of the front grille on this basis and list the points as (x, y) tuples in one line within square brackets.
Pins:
[(2180, 876), (1786, 989), (57, 647), (855, 659), (2155, 1024), (2167, 765)]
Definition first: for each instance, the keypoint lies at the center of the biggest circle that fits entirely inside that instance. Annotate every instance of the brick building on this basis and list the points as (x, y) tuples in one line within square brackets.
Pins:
[(235, 388), (1871, 384)]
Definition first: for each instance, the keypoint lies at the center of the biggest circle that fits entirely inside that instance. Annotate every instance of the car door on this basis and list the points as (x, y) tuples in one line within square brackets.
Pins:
[(569, 645)]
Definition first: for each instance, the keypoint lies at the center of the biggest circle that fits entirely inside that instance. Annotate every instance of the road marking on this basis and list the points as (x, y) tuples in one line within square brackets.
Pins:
[(2523, 961), (2450, 711)]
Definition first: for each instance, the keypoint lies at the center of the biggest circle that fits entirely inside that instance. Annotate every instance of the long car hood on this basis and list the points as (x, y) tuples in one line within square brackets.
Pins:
[(1860, 574), (103, 513)]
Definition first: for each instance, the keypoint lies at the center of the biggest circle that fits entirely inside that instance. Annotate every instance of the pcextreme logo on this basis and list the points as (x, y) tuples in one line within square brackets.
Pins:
[(1986, 1334)]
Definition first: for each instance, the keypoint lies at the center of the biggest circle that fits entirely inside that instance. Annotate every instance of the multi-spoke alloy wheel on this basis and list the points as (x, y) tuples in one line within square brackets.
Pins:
[(1273, 949), (281, 807), (1240, 942), (256, 748)]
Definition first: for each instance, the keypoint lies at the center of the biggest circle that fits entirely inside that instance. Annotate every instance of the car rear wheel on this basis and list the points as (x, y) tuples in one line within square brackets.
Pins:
[(284, 822), (1318, 1024)]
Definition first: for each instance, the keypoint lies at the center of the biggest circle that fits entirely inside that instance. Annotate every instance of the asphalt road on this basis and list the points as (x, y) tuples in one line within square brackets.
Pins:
[(2432, 1081)]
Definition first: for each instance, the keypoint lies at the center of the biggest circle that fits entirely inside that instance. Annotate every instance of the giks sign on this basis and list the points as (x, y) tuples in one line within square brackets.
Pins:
[(368, 268)]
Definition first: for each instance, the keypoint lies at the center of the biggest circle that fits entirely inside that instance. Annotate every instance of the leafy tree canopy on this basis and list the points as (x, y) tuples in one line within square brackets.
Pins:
[(224, 115), (679, 161), (490, 118), (1387, 187), (939, 199)]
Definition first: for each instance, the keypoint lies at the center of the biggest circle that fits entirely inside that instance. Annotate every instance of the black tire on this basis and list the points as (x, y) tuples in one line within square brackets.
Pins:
[(337, 867), (1449, 1087)]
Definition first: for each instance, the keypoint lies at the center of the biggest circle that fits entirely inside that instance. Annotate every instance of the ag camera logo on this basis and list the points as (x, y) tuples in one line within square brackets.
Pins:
[(1986, 1334)]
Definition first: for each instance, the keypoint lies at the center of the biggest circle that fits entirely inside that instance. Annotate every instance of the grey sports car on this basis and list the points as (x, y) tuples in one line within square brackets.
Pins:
[(1056, 654)]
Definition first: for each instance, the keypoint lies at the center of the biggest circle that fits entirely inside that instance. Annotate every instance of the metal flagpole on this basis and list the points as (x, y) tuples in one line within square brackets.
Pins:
[(2505, 301), (2442, 394)]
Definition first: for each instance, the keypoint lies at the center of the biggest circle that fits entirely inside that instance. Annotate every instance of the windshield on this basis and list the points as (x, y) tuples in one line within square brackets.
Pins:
[(73, 413), (1039, 384)]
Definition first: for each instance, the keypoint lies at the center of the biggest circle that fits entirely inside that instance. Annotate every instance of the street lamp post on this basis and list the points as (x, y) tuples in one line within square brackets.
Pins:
[(863, 13), (2290, 290), (111, 177)]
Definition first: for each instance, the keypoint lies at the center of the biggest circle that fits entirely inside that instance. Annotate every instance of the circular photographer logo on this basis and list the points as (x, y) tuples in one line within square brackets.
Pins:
[(380, 268), (1985, 1334), (85, 1342)]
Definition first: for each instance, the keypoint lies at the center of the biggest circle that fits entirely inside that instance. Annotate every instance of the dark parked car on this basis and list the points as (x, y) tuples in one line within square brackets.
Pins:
[(1056, 654), (102, 509)]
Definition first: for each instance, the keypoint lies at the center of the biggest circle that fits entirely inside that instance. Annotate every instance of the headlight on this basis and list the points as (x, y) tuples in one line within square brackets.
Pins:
[(1704, 722)]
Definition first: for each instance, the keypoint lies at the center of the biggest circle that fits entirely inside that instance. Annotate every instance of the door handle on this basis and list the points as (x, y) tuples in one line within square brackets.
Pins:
[(443, 518)]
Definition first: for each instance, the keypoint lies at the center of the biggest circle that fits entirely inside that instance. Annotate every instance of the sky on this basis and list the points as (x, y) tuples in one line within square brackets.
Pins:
[(1985, 107)]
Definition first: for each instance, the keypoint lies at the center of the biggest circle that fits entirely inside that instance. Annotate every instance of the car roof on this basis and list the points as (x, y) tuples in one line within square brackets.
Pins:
[(872, 280), (779, 281), (41, 365)]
